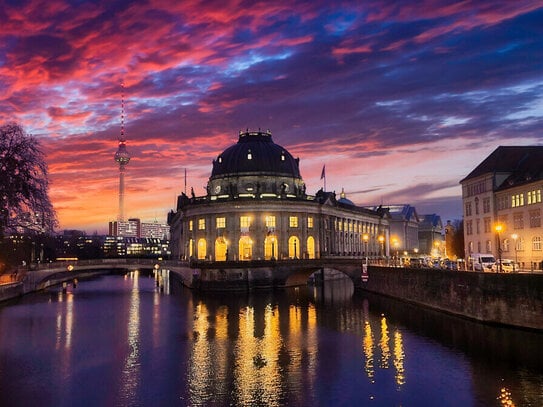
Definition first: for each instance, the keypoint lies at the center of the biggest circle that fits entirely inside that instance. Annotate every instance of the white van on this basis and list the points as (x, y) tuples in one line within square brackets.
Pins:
[(482, 261)]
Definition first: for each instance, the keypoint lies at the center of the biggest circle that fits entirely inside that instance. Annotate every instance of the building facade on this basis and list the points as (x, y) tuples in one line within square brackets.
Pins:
[(256, 208), (502, 206)]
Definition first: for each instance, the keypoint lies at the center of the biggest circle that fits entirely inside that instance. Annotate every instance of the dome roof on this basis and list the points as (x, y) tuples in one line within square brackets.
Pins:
[(255, 153)]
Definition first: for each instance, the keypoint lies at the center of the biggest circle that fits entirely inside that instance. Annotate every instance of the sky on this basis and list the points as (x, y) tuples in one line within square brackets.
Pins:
[(400, 100)]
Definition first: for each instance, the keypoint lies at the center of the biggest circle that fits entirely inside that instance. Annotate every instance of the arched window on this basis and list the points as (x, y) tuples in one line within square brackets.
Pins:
[(220, 249), (245, 248), (270, 247), (310, 247), (202, 249), (293, 247)]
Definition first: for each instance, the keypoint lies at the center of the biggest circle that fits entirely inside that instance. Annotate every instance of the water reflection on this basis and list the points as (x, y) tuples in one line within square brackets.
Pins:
[(131, 342), (131, 369)]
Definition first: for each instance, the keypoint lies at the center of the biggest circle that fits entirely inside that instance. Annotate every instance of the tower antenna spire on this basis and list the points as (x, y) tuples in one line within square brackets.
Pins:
[(122, 157)]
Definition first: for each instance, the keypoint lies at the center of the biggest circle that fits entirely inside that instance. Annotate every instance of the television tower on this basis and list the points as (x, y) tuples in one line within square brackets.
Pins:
[(122, 157)]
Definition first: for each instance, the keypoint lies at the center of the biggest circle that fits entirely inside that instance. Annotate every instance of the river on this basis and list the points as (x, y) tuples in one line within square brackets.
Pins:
[(137, 340)]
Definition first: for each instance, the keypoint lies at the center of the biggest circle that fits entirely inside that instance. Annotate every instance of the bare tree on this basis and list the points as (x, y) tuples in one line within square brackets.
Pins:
[(24, 200)]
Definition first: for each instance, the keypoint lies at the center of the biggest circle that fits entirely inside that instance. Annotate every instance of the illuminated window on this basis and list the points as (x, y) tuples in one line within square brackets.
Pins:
[(534, 197), (201, 224), (270, 221), (517, 200), (293, 221), (245, 221), (191, 223), (221, 222), (310, 222), (249, 155)]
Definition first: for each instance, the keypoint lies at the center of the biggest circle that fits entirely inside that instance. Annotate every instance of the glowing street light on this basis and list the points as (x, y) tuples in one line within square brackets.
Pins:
[(365, 238), (498, 228), (382, 242)]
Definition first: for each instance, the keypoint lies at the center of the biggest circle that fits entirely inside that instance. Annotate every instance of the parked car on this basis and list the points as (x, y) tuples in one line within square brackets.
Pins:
[(482, 261), (508, 266), (447, 264)]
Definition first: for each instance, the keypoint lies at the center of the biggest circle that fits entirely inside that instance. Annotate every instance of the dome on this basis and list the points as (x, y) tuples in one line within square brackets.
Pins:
[(255, 153), (343, 198)]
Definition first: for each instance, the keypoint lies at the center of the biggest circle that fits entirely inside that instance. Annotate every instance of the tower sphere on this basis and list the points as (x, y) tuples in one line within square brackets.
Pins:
[(122, 156)]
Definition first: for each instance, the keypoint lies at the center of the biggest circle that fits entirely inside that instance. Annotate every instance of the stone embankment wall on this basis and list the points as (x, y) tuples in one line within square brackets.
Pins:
[(498, 298)]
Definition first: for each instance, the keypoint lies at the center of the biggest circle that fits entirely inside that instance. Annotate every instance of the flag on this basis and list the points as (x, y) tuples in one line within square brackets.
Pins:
[(323, 173)]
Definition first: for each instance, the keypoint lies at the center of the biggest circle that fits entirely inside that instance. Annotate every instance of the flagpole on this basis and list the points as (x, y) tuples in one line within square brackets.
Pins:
[(323, 176), (185, 181)]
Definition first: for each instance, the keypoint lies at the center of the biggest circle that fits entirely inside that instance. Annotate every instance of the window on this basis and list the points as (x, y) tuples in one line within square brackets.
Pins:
[(293, 221), (488, 246), (517, 200), (476, 206), (502, 202), (270, 221), (468, 208), (249, 155), (221, 223), (245, 221), (201, 224), (535, 218), (191, 225), (505, 245), (477, 226), (536, 243), (486, 205), (520, 244), (487, 225), (469, 227), (310, 222), (518, 221), (534, 197)]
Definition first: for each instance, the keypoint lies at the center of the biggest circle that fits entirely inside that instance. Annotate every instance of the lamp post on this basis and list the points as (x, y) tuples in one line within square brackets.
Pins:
[(514, 236), (382, 244), (365, 238), (395, 244), (498, 228)]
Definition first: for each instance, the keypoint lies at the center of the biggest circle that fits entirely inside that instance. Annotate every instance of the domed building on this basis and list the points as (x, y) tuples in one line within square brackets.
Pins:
[(256, 208)]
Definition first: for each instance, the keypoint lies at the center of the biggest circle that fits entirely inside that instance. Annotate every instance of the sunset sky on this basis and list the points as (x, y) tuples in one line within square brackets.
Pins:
[(400, 100)]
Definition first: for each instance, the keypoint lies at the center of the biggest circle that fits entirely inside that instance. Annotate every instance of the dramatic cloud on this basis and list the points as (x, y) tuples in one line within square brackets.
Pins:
[(400, 100)]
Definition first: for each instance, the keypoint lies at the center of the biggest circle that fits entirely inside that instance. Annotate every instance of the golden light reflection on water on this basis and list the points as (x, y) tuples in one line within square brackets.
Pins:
[(399, 357), (505, 398), (383, 344), (263, 363), (131, 369), (369, 346)]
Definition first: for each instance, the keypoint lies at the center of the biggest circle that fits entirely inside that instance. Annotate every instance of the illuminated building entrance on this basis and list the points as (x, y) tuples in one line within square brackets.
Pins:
[(220, 249), (202, 248), (310, 247), (245, 248), (293, 247), (270, 247)]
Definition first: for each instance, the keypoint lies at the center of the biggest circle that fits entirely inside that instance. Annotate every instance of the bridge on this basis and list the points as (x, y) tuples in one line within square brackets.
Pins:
[(205, 275)]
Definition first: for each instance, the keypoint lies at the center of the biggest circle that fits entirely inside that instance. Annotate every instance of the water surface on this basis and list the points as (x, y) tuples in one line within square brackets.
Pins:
[(134, 341)]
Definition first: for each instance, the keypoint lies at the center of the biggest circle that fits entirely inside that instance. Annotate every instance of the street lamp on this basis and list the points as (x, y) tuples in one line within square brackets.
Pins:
[(514, 236), (395, 244), (498, 228)]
